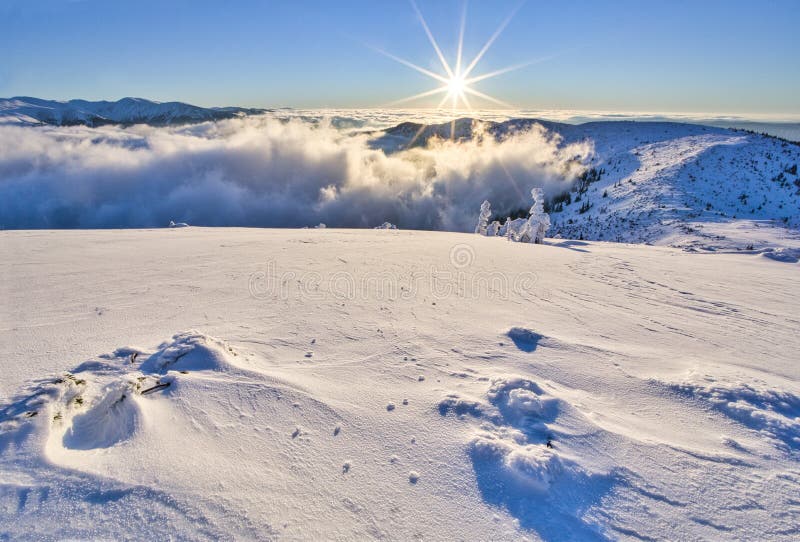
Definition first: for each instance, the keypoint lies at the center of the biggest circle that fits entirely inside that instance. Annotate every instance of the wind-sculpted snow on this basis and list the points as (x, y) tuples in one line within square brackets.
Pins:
[(261, 171), (628, 392), (97, 424), (520, 454), (99, 403), (783, 254), (773, 413)]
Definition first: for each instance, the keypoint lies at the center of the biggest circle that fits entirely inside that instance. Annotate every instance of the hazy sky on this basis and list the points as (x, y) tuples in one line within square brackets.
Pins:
[(726, 56)]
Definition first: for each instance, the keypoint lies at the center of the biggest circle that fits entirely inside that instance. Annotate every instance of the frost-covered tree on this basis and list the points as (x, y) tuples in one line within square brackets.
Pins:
[(531, 229), (516, 230), (507, 231), (539, 221), (526, 232), (483, 218), (493, 229)]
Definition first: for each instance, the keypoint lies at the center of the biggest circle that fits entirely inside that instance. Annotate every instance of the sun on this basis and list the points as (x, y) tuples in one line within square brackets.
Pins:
[(457, 81), (456, 86)]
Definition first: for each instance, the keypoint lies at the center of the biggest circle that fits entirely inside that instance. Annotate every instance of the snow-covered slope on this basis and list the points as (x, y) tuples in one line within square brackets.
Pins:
[(684, 185), (659, 182), (27, 110), (343, 384)]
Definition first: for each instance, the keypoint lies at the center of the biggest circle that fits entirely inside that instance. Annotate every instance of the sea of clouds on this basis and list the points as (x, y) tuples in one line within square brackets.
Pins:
[(266, 171)]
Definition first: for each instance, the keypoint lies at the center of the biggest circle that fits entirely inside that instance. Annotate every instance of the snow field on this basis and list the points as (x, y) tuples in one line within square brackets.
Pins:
[(167, 389)]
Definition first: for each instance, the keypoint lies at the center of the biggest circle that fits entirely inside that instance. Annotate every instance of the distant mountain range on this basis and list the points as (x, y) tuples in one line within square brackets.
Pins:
[(127, 111)]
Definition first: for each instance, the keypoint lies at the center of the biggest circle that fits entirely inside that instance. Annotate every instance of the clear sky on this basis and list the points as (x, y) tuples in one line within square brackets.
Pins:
[(725, 56)]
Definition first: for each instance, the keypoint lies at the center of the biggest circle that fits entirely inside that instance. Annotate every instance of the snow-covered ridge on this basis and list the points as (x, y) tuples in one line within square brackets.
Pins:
[(655, 182), (27, 110)]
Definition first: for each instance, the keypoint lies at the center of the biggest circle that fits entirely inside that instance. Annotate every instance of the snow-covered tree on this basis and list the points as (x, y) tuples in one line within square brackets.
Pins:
[(506, 229), (539, 221), (515, 230), (526, 234), (483, 218), (493, 229), (531, 229)]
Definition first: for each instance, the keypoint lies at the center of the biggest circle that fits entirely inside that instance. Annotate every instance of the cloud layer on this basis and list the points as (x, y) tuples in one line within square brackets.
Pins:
[(261, 171)]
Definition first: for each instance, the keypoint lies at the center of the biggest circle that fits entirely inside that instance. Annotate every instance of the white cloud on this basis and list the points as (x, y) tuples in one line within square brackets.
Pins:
[(261, 171)]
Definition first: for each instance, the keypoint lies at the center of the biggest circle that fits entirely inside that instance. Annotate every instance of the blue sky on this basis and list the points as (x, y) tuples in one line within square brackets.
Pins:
[(725, 56)]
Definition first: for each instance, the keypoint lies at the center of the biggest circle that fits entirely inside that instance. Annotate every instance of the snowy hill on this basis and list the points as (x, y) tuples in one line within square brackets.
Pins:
[(26, 110), (329, 384), (655, 182)]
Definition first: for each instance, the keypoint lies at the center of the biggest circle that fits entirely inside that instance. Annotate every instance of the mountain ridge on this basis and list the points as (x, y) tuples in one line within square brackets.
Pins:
[(666, 183), (28, 110)]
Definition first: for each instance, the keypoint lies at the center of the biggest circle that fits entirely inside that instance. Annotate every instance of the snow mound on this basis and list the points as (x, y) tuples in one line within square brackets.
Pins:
[(520, 444), (773, 413), (386, 226), (530, 466), (99, 404), (105, 407), (460, 406), (521, 399), (524, 339), (173, 224), (519, 458), (145, 431), (113, 419), (783, 254), (93, 407), (190, 351)]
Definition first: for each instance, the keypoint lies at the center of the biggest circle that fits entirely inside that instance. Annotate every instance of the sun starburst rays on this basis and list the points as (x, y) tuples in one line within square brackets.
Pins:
[(456, 83), (491, 41), (435, 45)]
